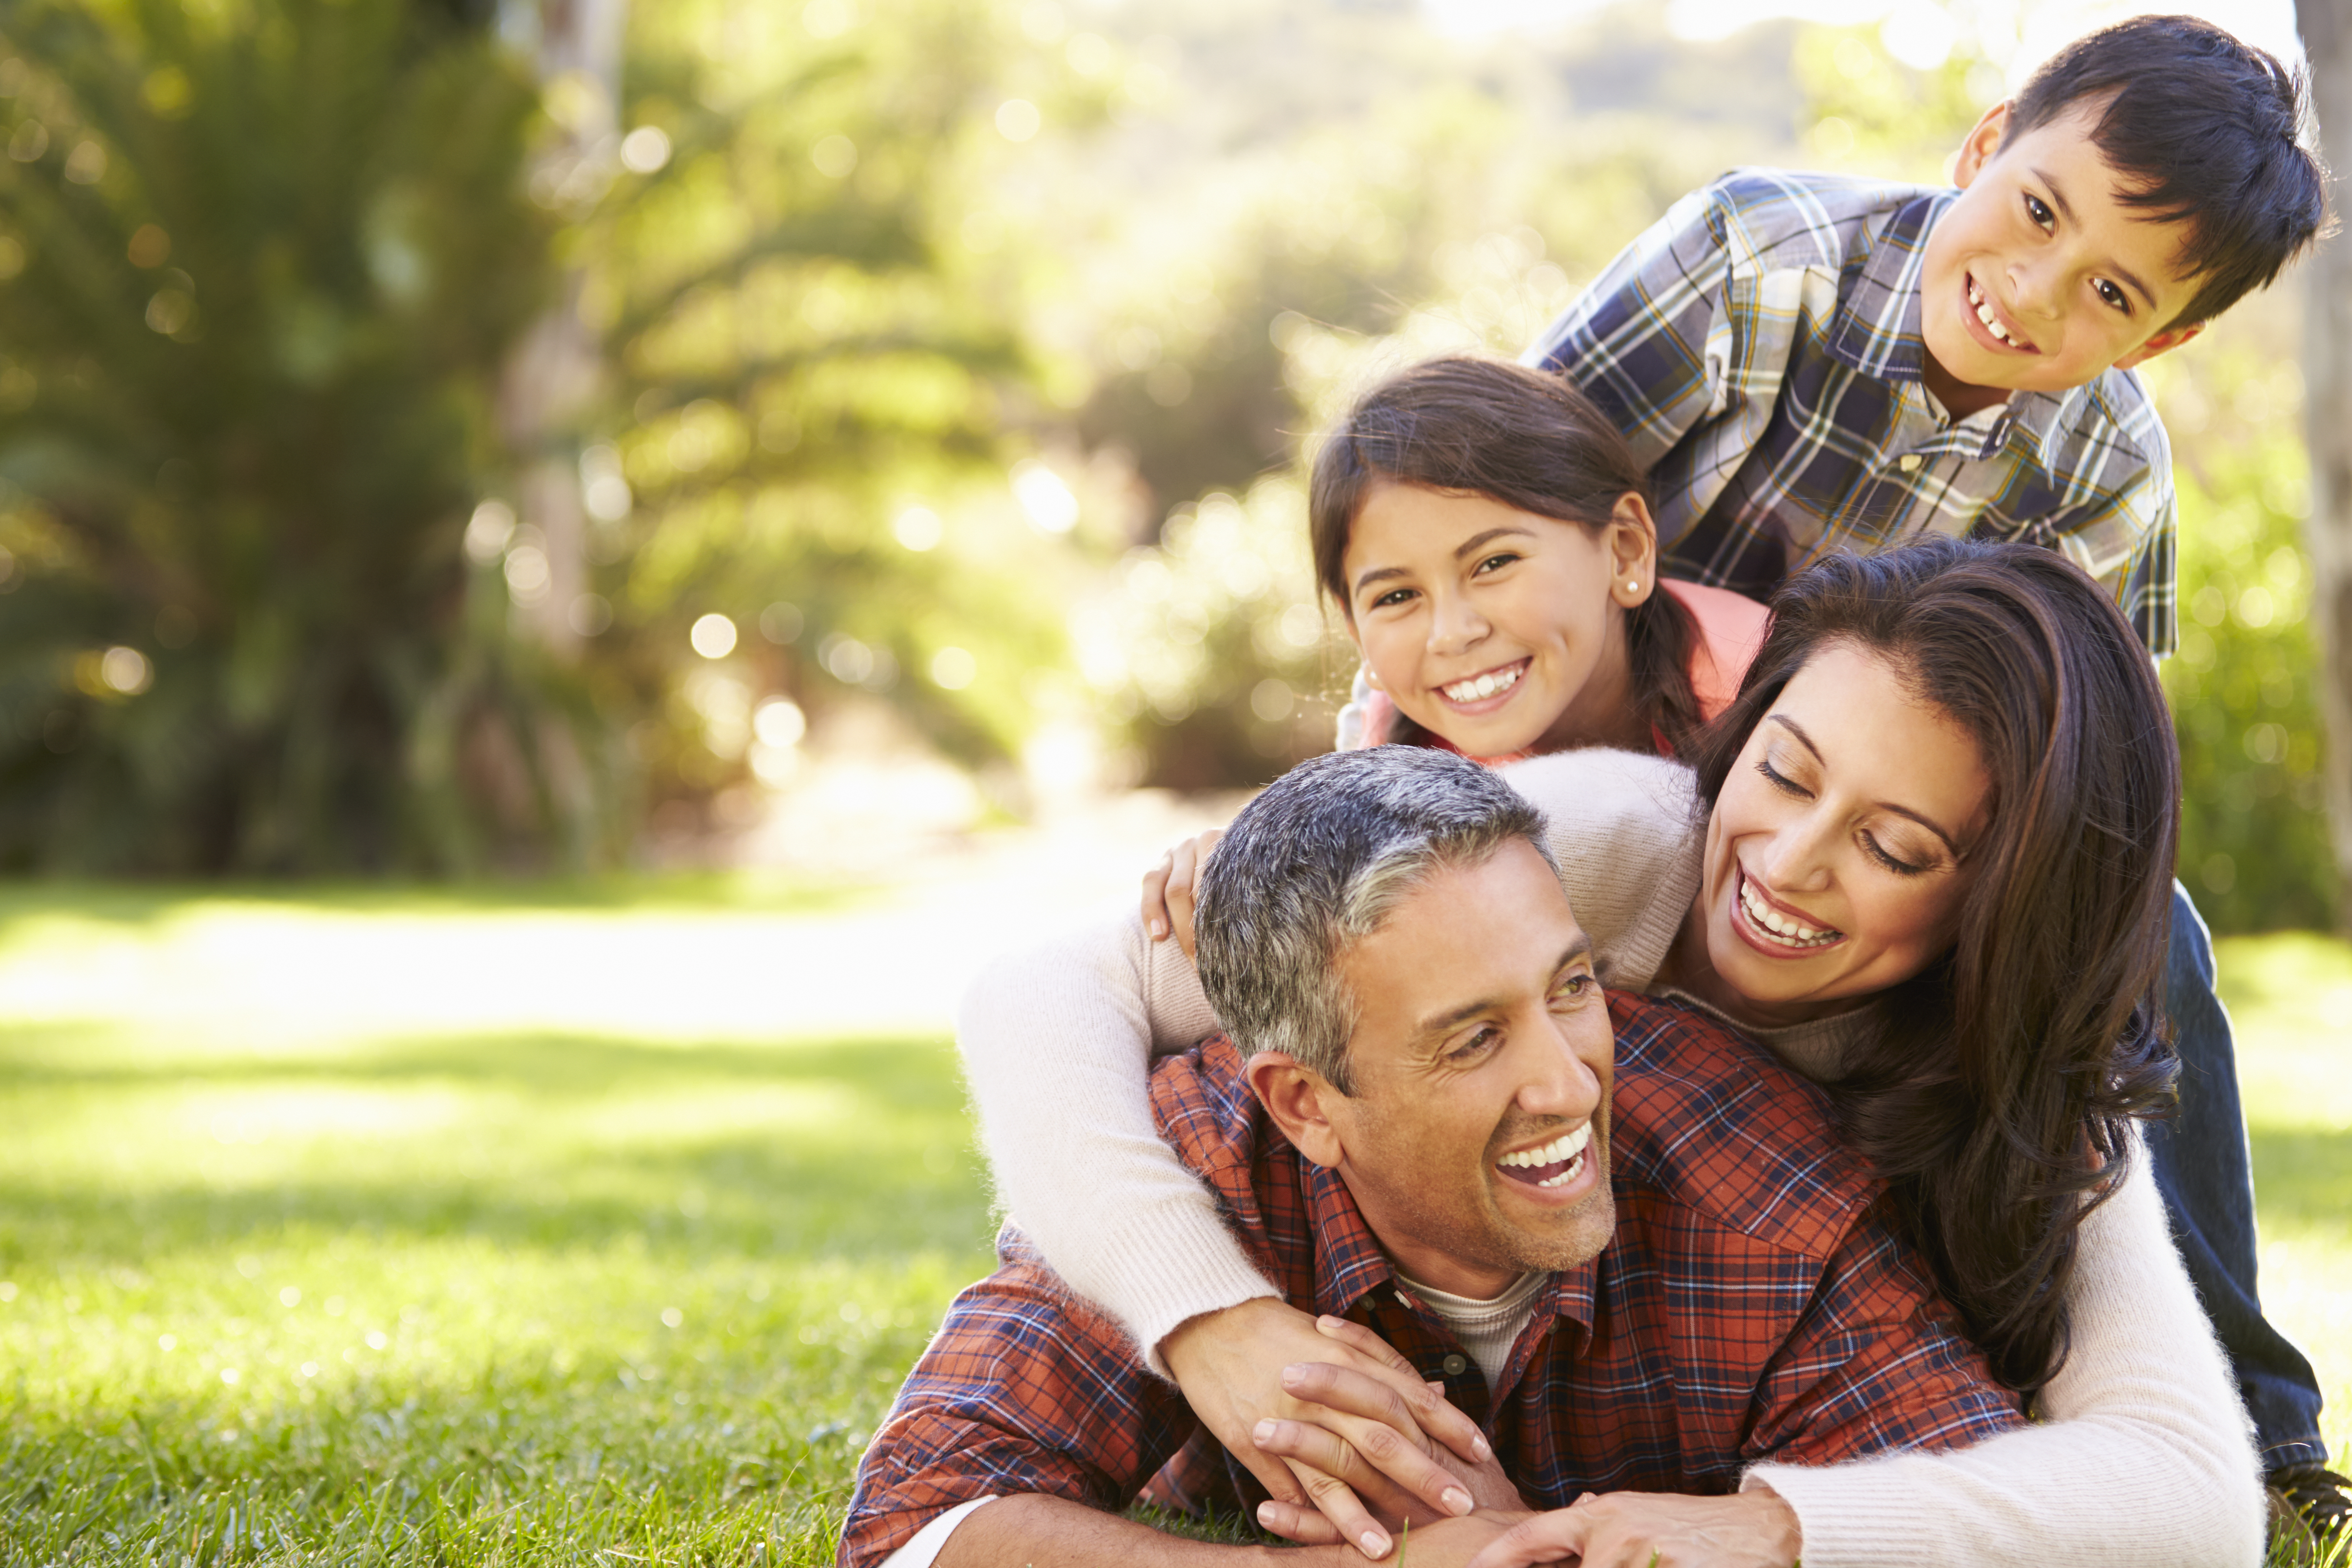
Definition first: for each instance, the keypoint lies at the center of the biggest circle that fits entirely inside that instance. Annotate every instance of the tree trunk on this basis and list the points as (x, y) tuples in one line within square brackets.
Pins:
[(2328, 379), (554, 370)]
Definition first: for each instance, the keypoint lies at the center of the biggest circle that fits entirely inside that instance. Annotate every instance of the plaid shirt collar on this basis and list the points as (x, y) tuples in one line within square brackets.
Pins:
[(1876, 333), (1350, 1265)]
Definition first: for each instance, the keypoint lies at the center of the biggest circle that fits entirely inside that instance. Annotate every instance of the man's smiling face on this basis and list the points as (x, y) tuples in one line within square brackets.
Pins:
[(1477, 1144), (2040, 276)]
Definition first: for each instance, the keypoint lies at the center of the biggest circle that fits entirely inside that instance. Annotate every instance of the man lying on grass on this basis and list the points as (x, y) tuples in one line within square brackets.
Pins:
[(1414, 1127)]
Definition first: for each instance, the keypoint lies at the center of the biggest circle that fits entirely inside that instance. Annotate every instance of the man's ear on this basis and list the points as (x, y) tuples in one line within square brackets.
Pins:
[(2163, 342), (1977, 148), (1300, 1101)]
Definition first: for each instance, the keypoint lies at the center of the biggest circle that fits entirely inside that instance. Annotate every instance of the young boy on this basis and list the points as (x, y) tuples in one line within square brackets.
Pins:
[(1810, 364)]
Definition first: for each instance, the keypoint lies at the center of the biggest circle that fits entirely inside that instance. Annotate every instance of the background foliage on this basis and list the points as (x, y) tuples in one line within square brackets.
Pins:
[(960, 357)]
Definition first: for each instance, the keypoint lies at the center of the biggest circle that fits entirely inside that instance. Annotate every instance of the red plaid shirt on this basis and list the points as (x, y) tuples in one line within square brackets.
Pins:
[(1752, 1305)]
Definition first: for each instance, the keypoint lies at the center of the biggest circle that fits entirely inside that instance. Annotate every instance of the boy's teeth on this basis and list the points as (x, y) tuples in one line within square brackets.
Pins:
[(1485, 685), (1566, 1146), (1790, 929), (1984, 312)]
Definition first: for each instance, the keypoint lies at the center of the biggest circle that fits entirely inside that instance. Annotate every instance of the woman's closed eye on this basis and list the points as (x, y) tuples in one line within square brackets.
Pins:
[(1879, 853), (1781, 780)]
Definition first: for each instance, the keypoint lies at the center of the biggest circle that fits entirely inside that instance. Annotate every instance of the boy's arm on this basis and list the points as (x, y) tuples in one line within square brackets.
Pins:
[(1674, 331)]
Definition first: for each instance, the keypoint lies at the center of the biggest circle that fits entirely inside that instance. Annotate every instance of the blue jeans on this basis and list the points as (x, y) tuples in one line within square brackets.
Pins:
[(2203, 1172)]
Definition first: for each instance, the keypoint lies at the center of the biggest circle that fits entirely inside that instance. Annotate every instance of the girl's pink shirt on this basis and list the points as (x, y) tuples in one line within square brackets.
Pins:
[(1731, 628)]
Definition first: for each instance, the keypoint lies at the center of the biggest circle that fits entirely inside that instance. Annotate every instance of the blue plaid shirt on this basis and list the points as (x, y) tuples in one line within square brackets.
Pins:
[(1760, 348)]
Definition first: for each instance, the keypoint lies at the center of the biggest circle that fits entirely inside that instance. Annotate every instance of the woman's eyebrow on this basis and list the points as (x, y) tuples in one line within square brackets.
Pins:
[(1378, 574), (1902, 811)]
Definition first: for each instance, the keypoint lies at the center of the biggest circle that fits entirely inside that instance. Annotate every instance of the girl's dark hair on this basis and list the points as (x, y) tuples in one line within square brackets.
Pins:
[(1529, 440), (1998, 1071)]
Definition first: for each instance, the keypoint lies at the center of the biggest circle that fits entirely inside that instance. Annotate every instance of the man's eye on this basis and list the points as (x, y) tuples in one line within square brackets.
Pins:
[(1476, 1044), (2038, 211), (1571, 986)]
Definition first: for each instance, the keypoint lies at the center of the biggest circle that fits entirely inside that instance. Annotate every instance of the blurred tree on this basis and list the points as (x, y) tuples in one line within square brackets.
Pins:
[(2245, 685), (2327, 355), (819, 372), (258, 265)]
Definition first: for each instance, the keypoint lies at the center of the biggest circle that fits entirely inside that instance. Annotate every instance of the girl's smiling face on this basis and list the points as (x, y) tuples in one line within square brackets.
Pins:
[(1499, 629), (1837, 853)]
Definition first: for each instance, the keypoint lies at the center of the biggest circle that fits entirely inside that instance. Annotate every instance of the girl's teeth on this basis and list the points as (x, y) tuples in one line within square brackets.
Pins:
[(1485, 685)]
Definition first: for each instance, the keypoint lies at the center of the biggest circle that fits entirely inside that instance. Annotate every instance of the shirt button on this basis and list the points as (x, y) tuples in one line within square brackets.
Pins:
[(1909, 462), (1454, 1365)]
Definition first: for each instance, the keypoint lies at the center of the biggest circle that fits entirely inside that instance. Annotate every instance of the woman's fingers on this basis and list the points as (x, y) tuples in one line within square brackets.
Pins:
[(1372, 1459), (1183, 883), (1349, 1520), (1431, 1412), (1155, 898), (1542, 1538), (1298, 1522)]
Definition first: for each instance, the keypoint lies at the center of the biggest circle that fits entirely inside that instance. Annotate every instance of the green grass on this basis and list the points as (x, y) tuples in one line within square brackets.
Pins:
[(527, 1293)]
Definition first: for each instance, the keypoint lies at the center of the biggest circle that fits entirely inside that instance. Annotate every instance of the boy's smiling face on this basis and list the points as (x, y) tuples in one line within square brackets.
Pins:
[(2040, 276)]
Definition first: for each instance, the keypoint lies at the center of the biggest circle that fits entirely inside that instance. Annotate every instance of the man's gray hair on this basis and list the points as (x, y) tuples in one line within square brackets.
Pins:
[(1315, 864)]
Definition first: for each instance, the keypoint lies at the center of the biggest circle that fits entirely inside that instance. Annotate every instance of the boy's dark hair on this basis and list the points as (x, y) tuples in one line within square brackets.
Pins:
[(1529, 440), (2206, 126)]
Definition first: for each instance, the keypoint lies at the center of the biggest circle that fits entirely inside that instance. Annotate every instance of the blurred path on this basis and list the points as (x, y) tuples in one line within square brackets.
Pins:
[(241, 975)]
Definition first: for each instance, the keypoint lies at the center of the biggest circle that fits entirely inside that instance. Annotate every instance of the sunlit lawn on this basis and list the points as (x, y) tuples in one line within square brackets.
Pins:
[(489, 1284)]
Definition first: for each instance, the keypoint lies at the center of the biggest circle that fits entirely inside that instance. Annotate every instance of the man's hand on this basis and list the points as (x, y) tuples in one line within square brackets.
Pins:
[(1655, 1530), (1264, 1367)]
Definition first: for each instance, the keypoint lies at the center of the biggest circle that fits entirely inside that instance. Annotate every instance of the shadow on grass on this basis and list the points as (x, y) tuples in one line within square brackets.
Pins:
[(556, 1142)]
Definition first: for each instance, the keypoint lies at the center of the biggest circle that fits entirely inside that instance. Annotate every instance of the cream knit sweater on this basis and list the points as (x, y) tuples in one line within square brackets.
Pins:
[(2144, 1456)]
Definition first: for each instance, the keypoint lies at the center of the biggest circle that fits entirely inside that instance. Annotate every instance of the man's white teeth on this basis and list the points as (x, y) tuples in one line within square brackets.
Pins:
[(1569, 1146), (1485, 685), (1787, 929), (1984, 312)]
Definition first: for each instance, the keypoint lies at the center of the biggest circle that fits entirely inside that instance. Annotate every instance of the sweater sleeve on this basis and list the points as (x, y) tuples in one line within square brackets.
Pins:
[(2145, 1456), (1058, 1042), (1625, 831)]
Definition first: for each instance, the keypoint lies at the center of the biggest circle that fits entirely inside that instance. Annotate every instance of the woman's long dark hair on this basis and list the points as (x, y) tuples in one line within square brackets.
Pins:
[(1527, 438), (1999, 1069)]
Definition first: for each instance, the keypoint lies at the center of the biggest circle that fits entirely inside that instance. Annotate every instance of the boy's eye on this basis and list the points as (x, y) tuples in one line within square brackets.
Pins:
[(2038, 211), (2113, 295)]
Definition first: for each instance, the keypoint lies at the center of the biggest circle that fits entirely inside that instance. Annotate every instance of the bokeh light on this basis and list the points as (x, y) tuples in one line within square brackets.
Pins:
[(712, 635)]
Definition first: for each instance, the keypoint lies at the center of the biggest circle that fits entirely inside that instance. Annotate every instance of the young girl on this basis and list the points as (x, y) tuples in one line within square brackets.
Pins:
[(1483, 529)]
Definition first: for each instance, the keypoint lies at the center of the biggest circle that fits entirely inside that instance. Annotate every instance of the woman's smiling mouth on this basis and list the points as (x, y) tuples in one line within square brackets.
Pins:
[(1773, 929), (1479, 693)]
